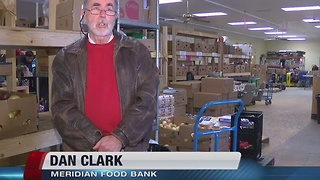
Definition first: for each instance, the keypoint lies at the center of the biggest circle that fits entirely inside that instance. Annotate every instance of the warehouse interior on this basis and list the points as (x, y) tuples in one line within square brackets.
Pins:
[(205, 46)]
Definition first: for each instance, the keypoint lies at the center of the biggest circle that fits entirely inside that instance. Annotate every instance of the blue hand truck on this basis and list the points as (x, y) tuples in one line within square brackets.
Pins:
[(234, 128)]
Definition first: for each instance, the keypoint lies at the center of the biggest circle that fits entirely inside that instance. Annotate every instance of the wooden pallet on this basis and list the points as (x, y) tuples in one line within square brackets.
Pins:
[(266, 161), (265, 139)]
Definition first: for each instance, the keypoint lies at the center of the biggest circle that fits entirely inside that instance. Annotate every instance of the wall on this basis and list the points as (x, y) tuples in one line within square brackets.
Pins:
[(27, 10), (258, 45), (312, 49)]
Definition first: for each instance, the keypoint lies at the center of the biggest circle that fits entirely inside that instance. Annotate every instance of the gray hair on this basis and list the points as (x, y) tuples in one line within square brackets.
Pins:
[(115, 3)]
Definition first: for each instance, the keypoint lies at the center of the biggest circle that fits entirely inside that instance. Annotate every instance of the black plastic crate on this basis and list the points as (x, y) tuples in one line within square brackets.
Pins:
[(249, 147), (250, 122), (249, 142)]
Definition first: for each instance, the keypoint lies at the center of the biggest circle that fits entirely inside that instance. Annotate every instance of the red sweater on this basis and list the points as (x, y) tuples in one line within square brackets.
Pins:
[(101, 103)]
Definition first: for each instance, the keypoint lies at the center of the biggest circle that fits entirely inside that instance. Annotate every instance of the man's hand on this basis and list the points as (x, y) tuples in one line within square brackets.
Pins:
[(108, 144)]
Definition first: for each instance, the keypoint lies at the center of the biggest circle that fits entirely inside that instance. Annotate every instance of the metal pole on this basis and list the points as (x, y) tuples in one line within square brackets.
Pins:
[(37, 14), (118, 14)]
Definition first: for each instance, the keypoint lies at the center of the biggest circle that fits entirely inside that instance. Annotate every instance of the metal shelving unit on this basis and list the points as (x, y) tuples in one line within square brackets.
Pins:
[(135, 25)]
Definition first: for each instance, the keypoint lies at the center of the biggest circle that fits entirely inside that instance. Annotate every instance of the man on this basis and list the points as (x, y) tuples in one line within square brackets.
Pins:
[(104, 87), (28, 64), (282, 62)]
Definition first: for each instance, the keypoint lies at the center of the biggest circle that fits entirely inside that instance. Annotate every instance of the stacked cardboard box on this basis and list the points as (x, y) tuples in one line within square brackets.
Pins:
[(180, 100), (149, 43), (68, 15), (215, 89), (180, 70), (260, 71), (23, 23), (205, 46), (179, 132), (191, 88), (180, 46)]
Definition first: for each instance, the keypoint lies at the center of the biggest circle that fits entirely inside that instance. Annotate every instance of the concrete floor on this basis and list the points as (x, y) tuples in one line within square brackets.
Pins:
[(294, 137)]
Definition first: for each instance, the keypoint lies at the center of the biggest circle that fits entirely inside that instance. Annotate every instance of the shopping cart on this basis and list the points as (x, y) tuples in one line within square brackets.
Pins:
[(267, 96), (234, 128)]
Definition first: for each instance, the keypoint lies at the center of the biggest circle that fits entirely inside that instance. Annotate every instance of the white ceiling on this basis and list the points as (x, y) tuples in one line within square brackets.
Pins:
[(264, 12)]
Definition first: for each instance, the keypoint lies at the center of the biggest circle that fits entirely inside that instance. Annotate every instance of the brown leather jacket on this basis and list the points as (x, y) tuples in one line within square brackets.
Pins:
[(137, 78)]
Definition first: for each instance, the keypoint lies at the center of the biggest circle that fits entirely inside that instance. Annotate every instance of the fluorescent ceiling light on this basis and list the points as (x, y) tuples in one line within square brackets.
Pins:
[(287, 36), (305, 8), (260, 29), (210, 14), (296, 39), (311, 20), (169, 1), (241, 23), (277, 32), (317, 26)]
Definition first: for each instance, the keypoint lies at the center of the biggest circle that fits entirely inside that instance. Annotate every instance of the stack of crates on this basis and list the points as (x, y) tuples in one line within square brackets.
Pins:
[(249, 142)]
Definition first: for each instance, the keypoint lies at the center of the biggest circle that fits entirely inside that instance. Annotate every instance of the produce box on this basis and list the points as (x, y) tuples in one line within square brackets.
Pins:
[(169, 129), (205, 143), (18, 114)]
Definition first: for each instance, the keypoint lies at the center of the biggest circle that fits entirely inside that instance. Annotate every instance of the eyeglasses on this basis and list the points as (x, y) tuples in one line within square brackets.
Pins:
[(97, 11)]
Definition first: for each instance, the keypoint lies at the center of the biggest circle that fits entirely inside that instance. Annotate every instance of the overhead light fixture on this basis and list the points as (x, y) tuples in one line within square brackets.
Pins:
[(268, 39), (242, 23), (317, 26), (275, 33), (311, 20), (210, 14), (303, 8), (169, 1), (296, 39), (287, 36), (260, 29)]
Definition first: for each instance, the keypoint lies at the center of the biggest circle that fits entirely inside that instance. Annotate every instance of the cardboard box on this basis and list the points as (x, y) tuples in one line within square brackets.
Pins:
[(213, 48), (180, 46), (136, 10), (23, 23), (196, 47), (243, 68), (180, 71), (5, 68), (202, 70), (217, 85), (149, 43), (237, 69), (216, 112), (209, 69), (280, 71), (24, 119), (205, 143), (201, 98), (271, 70), (68, 15), (168, 136), (190, 86), (193, 69), (180, 110), (180, 96)]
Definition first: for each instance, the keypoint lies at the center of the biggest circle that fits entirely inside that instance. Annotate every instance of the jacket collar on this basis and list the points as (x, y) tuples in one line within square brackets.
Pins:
[(120, 41)]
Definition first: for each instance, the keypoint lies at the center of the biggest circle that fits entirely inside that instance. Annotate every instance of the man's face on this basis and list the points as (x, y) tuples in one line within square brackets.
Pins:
[(29, 59), (100, 24)]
